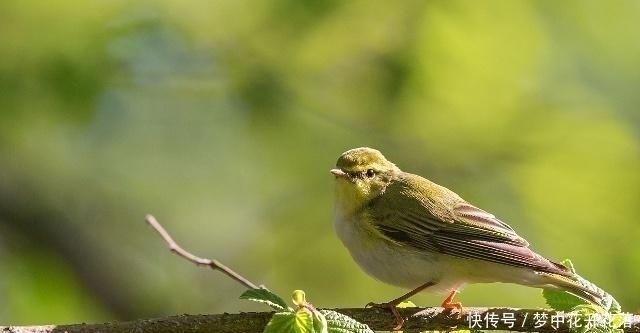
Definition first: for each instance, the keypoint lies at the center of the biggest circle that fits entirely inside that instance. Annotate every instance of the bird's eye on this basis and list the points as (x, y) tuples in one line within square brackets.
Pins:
[(370, 173)]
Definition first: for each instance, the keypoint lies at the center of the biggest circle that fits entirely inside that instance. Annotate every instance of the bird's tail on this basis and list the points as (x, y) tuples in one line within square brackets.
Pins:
[(584, 289)]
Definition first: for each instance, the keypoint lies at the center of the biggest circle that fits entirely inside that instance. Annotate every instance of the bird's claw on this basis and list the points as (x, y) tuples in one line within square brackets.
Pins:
[(399, 321), (450, 308), (449, 305)]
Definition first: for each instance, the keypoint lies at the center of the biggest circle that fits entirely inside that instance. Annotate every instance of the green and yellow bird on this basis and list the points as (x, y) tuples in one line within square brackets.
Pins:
[(407, 231)]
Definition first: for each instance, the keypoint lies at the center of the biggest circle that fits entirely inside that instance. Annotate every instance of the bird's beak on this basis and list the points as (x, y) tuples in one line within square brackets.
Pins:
[(338, 173)]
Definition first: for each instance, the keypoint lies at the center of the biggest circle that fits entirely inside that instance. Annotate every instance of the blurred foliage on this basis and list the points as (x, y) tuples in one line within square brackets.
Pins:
[(223, 118)]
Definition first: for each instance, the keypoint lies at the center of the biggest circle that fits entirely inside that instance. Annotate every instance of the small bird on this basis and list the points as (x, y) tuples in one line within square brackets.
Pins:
[(409, 232)]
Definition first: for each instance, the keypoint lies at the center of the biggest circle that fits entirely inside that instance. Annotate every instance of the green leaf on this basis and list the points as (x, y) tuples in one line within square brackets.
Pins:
[(560, 300), (290, 322), (406, 304), (263, 295), (339, 323), (280, 322), (304, 322), (305, 319)]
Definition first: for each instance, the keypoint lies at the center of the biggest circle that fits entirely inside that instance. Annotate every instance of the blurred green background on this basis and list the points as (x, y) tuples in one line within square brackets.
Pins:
[(223, 118)]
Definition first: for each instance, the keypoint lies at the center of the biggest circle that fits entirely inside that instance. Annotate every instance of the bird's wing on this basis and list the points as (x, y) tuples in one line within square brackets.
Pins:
[(462, 231)]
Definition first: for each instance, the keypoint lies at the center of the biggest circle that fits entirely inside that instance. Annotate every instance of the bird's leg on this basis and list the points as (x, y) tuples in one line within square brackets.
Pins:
[(449, 304), (391, 305)]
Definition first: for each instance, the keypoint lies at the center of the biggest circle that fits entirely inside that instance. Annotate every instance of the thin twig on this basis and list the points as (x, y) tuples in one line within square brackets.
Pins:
[(177, 249)]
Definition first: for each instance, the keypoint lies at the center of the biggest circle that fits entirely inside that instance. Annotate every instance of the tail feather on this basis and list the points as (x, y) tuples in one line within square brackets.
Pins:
[(584, 289), (606, 300)]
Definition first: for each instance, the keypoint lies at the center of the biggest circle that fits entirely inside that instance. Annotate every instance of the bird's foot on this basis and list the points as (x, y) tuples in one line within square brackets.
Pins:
[(449, 305), (391, 306)]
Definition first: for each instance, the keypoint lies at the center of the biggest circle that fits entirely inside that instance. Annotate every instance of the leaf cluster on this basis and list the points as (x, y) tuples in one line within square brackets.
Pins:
[(304, 318)]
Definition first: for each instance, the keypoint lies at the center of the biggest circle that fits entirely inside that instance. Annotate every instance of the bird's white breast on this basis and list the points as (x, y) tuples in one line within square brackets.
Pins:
[(388, 262)]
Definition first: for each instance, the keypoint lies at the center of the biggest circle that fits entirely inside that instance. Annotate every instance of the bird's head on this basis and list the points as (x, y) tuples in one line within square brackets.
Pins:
[(361, 174)]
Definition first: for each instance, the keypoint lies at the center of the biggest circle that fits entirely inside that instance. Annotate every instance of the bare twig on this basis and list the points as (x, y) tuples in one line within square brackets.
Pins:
[(177, 249)]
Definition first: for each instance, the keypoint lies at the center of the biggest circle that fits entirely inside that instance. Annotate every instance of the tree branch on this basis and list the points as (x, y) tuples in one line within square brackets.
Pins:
[(418, 319)]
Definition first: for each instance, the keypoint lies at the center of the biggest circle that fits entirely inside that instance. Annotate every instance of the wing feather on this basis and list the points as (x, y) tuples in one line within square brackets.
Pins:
[(462, 231)]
